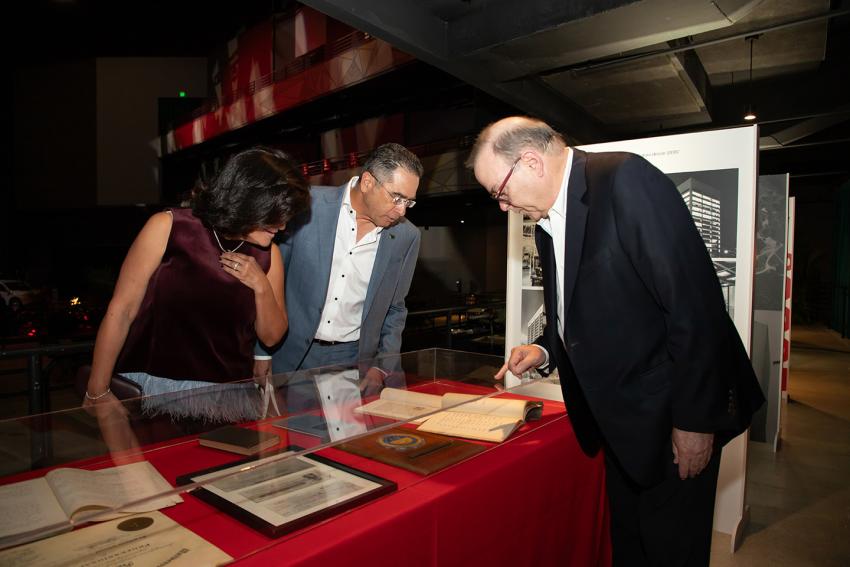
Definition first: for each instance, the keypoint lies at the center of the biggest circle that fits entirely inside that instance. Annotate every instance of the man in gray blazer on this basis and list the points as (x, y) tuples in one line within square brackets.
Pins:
[(348, 264)]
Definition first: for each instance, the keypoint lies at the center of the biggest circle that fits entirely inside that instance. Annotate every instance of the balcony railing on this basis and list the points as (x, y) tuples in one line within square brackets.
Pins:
[(297, 66), (354, 160)]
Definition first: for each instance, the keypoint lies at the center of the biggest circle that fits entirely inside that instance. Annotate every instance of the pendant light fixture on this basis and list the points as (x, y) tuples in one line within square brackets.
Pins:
[(750, 111)]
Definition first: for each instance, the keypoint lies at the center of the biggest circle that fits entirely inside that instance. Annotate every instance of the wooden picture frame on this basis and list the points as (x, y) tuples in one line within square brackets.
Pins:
[(279, 495)]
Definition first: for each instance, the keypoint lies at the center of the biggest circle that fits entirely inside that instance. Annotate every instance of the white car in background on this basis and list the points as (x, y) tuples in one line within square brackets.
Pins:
[(16, 293)]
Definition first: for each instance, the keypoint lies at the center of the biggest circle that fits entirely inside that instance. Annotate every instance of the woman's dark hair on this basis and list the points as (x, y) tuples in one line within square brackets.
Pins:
[(257, 188)]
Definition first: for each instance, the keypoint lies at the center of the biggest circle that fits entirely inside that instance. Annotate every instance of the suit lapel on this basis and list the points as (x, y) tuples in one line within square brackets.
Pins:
[(327, 215), (575, 223), (386, 249)]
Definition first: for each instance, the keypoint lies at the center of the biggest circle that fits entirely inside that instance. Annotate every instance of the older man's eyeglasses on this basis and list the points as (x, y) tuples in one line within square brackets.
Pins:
[(498, 194), (398, 200)]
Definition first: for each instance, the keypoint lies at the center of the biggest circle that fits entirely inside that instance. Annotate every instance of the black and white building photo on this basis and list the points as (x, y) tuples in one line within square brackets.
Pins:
[(712, 199)]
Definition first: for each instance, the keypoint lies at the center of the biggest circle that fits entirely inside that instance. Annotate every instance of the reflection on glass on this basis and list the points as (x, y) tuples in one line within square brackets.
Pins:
[(310, 411)]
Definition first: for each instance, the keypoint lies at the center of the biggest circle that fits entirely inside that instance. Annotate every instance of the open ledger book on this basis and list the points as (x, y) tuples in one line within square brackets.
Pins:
[(64, 494), (487, 419)]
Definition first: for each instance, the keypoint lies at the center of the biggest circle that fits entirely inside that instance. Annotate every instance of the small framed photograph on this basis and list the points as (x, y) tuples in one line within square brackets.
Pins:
[(278, 495)]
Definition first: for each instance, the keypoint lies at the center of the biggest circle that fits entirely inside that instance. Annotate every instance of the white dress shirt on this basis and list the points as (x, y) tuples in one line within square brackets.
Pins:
[(555, 224), (351, 270), (339, 393)]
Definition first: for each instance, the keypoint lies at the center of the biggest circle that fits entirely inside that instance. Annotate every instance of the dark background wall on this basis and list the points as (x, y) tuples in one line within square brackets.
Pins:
[(814, 254), (54, 135), (128, 90)]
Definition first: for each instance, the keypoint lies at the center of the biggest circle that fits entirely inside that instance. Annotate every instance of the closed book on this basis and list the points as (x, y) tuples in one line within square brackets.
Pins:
[(238, 440)]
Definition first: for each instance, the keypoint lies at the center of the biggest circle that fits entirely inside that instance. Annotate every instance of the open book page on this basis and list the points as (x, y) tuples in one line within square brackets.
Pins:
[(487, 406), (480, 426), (80, 491), (28, 505), (466, 415), (401, 405), (473, 417)]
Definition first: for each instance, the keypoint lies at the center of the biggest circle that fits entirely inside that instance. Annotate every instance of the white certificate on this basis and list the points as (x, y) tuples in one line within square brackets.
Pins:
[(151, 539)]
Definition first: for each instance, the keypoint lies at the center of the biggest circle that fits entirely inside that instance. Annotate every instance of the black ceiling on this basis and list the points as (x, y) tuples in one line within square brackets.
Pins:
[(65, 29), (604, 70), (62, 29)]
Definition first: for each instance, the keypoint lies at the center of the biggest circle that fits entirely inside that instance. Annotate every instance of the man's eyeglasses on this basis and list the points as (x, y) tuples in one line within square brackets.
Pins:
[(397, 199), (498, 194)]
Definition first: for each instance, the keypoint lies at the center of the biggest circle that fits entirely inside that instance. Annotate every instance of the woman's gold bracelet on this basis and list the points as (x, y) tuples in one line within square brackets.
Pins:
[(97, 397)]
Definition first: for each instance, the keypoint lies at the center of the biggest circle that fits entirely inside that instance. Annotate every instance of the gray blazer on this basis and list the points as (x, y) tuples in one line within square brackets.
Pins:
[(307, 252)]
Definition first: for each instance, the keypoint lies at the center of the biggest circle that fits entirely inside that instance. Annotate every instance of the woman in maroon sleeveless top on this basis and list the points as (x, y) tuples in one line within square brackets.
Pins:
[(200, 286)]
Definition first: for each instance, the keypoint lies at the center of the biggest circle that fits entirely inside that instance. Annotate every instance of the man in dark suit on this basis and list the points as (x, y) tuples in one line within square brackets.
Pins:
[(651, 366)]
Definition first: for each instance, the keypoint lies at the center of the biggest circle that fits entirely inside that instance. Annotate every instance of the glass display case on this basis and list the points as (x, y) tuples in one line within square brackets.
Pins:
[(224, 472)]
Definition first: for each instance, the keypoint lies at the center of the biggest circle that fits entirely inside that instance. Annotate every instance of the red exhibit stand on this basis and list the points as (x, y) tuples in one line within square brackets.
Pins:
[(535, 499)]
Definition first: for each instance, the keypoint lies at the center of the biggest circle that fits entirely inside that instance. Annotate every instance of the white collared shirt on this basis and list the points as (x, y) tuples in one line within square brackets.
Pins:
[(351, 270), (339, 393), (556, 226)]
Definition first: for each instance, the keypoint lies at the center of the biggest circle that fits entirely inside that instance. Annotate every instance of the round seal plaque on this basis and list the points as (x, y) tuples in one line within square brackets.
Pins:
[(135, 524), (400, 441)]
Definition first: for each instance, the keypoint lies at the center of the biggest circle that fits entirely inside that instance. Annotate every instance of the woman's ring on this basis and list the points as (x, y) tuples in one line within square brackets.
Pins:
[(236, 266)]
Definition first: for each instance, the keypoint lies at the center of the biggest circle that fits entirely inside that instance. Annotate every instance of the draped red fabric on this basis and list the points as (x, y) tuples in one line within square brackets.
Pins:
[(535, 499)]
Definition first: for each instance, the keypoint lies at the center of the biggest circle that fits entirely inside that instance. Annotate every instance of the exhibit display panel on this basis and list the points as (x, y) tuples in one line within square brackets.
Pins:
[(301, 469), (769, 303), (789, 282)]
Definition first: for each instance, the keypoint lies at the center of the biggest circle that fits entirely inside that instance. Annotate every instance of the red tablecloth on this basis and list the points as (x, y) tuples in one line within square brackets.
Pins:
[(535, 499)]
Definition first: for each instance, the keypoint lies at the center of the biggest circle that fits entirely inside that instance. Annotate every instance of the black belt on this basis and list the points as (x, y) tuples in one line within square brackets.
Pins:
[(331, 343)]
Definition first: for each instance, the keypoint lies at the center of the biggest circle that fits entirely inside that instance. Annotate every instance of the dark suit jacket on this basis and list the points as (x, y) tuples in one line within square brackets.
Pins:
[(648, 344)]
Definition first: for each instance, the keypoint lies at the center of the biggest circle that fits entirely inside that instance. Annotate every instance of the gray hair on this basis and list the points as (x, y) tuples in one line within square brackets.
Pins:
[(386, 158), (530, 133)]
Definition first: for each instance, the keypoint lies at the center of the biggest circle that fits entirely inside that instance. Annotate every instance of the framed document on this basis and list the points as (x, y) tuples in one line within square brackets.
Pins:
[(277, 497)]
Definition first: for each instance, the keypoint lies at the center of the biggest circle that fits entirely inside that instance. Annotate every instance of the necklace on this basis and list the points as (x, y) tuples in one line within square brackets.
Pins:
[(238, 246)]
